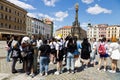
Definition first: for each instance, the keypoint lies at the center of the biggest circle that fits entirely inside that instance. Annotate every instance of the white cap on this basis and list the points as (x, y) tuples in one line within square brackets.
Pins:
[(58, 38), (25, 40)]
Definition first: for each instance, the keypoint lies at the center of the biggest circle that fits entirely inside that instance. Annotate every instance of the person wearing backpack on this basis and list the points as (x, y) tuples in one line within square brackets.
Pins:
[(27, 53), (15, 54), (102, 53), (52, 45)]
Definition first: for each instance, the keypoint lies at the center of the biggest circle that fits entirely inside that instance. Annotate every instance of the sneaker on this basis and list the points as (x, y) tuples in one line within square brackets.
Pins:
[(72, 72), (114, 71), (46, 74), (111, 71), (27, 73), (85, 68), (68, 72), (51, 63), (104, 69), (57, 73), (41, 74), (98, 69), (15, 71), (32, 75)]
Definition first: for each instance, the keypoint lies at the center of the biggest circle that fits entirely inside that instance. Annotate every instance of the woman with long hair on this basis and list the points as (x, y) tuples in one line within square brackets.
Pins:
[(85, 52)]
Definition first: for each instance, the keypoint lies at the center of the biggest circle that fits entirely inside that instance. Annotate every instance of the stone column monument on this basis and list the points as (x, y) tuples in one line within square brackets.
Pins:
[(76, 30)]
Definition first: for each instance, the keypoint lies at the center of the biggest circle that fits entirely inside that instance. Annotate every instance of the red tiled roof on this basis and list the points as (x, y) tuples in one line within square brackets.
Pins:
[(64, 27), (67, 27), (48, 20)]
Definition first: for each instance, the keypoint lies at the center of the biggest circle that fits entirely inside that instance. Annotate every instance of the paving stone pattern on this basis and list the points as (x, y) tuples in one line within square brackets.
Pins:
[(89, 74)]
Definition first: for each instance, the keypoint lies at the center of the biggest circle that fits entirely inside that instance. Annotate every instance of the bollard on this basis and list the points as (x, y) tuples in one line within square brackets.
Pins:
[(35, 60)]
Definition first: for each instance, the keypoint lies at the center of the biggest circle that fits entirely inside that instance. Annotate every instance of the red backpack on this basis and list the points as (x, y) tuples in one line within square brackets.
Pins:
[(101, 49)]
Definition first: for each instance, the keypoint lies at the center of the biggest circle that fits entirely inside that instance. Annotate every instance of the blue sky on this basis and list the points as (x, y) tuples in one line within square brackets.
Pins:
[(62, 12)]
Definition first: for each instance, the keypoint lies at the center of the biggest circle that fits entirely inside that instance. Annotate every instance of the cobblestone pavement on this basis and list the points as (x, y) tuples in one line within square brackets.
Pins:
[(89, 74)]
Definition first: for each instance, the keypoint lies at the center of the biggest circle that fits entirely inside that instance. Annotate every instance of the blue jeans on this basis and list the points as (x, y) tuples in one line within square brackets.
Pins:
[(44, 61), (70, 61), (8, 55), (93, 55)]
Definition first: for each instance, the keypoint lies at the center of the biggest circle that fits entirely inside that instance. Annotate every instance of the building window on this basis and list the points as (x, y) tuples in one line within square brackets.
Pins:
[(6, 25), (18, 13), (1, 25), (15, 27), (1, 7), (9, 26), (10, 18), (10, 10), (6, 9), (6, 17), (1, 16)]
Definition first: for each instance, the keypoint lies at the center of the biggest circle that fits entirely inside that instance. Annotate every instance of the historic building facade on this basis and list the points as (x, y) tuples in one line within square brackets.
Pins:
[(29, 25), (93, 32), (113, 31), (49, 22), (103, 30), (64, 31), (39, 28), (12, 19)]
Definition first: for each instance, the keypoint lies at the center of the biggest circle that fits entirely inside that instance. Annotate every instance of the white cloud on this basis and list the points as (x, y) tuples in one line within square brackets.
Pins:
[(45, 16), (50, 2), (84, 25), (60, 15), (32, 15), (87, 1), (97, 10), (39, 15), (22, 4)]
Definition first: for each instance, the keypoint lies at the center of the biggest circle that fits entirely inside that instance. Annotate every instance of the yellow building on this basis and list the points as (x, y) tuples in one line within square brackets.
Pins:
[(64, 31), (12, 19), (113, 31)]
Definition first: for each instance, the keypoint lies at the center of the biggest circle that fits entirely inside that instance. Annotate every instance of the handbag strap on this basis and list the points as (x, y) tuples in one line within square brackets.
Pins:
[(53, 45)]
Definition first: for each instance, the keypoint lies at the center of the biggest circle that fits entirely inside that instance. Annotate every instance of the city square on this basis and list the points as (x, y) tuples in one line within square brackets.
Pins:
[(56, 36), (90, 74)]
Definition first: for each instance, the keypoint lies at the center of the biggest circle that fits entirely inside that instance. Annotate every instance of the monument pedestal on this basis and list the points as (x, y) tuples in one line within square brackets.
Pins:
[(76, 32)]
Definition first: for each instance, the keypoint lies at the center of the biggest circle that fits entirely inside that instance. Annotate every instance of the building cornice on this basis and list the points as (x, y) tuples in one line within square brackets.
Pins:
[(15, 6)]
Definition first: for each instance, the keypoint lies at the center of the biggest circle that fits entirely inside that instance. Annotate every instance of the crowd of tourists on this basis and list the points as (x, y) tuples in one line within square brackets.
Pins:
[(57, 51)]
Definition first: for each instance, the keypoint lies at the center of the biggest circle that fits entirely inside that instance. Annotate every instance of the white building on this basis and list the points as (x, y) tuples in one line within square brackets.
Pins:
[(38, 28), (93, 32), (29, 25)]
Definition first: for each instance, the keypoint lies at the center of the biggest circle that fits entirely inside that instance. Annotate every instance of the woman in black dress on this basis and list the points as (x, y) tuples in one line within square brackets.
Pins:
[(85, 52)]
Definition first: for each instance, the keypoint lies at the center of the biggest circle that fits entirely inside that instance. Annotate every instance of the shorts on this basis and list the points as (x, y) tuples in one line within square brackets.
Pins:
[(60, 57), (104, 55)]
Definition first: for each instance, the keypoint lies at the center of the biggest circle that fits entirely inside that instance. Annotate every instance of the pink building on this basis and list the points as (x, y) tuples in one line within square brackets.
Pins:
[(102, 30)]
